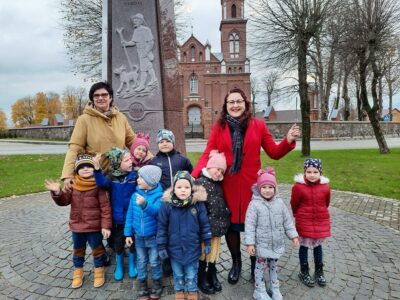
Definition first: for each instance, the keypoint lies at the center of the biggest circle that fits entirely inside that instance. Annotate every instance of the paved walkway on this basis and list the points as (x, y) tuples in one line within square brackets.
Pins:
[(362, 257)]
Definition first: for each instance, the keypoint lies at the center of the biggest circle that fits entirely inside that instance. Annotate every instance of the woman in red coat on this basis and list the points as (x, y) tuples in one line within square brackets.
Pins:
[(310, 199), (240, 137)]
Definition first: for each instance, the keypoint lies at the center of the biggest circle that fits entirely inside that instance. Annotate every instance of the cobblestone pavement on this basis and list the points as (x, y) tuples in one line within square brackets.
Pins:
[(361, 258)]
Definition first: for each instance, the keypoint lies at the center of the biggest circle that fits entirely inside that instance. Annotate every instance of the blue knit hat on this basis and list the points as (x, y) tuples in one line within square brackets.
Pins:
[(313, 162), (150, 174), (165, 134)]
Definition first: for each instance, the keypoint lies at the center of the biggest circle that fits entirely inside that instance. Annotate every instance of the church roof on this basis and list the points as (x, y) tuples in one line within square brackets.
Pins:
[(218, 55)]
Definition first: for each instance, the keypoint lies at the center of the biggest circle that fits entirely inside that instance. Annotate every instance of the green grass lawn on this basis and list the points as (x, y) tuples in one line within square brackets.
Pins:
[(363, 171)]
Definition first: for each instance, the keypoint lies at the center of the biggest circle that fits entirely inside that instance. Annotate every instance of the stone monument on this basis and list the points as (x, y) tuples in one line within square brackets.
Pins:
[(142, 65)]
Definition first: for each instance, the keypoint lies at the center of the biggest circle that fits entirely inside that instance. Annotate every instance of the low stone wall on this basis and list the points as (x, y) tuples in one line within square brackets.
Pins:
[(337, 129), (319, 130), (44, 132)]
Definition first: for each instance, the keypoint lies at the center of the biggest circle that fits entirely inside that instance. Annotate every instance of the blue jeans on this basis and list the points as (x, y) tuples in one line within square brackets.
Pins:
[(95, 240), (147, 251), (185, 276)]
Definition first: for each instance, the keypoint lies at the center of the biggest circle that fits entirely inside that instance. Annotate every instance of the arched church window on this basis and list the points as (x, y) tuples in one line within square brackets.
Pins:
[(234, 45), (193, 53), (193, 84), (233, 11)]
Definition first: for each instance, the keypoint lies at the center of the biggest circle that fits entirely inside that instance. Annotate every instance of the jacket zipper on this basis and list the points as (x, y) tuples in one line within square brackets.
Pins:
[(170, 171)]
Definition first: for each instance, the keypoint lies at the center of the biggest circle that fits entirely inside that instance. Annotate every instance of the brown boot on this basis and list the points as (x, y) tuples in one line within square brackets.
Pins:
[(192, 296), (180, 295), (77, 278), (98, 277)]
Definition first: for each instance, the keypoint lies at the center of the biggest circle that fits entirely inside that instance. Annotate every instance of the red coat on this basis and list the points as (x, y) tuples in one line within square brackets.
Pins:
[(237, 187), (90, 210), (310, 202)]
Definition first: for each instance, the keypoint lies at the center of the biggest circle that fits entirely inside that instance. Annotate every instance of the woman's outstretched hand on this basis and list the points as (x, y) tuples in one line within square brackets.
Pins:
[(293, 133)]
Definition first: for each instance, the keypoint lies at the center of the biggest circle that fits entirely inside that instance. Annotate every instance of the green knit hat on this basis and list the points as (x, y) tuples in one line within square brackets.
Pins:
[(115, 156)]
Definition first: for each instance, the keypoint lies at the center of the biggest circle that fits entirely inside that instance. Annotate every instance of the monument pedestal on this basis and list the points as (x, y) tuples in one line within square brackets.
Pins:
[(142, 66)]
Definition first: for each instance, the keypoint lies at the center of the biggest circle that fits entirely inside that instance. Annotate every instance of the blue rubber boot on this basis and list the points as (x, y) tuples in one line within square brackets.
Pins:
[(132, 265), (119, 267)]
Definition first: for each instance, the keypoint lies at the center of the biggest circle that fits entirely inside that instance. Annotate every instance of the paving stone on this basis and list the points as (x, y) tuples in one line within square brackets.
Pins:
[(359, 263)]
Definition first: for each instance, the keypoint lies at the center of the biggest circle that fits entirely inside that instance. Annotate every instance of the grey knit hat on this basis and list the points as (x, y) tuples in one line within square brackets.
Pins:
[(150, 174)]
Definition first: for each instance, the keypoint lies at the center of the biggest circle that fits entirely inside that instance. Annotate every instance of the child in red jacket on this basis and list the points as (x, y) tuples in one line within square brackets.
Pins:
[(310, 201), (90, 218)]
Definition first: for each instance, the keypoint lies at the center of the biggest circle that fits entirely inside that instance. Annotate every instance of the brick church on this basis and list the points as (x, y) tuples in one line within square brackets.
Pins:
[(206, 77)]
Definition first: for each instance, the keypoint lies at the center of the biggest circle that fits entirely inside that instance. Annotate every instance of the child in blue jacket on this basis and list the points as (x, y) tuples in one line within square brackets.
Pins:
[(141, 224), (121, 182), (182, 226)]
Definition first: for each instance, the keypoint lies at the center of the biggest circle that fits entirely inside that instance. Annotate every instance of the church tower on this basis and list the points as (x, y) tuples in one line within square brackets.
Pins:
[(233, 36)]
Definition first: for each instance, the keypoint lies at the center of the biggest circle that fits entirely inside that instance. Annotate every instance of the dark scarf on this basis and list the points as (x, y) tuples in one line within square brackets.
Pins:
[(237, 143), (175, 201)]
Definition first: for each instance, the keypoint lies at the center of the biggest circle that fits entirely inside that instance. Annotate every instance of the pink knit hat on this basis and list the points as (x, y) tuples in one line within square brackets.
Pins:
[(216, 160), (141, 139), (266, 176)]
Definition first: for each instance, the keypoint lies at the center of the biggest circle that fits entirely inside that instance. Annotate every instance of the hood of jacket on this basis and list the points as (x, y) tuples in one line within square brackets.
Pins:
[(299, 178), (257, 196), (199, 194), (91, 111)]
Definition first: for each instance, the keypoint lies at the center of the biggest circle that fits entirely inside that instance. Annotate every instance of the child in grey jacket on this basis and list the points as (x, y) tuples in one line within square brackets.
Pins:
[(267, 222)]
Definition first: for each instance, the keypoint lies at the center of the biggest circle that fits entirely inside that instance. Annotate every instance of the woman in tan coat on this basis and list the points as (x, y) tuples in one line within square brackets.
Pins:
[(100, 127)]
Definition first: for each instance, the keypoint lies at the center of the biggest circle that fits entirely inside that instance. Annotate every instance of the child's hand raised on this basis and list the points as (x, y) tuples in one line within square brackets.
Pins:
[(295, 242), (139, 199), (52, 185), (96, 161), (251, 250)]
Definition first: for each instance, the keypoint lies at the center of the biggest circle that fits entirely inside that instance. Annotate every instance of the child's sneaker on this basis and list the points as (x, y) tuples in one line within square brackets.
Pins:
[(77, 278), (276, 293), (261, 294)]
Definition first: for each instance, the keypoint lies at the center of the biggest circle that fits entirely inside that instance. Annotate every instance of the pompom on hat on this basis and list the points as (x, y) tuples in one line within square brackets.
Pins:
[(83, 160), (313, 162), (141, 140), (216, 160), (150, 174), (165, 134), (266, 176)]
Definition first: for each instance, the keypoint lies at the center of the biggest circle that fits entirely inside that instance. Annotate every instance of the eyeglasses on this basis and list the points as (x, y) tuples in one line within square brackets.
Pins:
[(238, 102), (104, 95)]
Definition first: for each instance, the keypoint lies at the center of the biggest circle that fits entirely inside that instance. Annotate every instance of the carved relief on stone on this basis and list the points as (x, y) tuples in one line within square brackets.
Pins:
[(137, 80)]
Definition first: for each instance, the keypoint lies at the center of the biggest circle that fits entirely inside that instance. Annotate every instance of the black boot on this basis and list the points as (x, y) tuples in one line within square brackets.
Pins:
[(253, 266), (212, 277), (234, 273), (319, 274), (166, 267), (304, 275), (156, 290), (143, 292), (233, 242), (202, 279)]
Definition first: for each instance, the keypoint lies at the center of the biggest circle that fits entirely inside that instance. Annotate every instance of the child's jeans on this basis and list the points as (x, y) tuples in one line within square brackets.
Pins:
[(147, 251), (185, 276), (95, 240)]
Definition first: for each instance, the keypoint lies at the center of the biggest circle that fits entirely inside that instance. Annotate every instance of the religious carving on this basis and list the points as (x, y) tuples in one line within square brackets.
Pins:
[(139, 80)]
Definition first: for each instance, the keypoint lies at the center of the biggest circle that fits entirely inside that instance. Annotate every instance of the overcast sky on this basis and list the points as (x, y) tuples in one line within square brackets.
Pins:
[(32, 54)]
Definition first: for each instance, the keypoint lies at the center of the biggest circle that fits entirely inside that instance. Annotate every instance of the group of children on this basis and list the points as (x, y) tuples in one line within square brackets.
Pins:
[(169, 220)]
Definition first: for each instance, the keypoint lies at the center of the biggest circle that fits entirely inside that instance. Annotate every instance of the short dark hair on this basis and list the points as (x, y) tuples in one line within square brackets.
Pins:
[(98, 86), (247, 114)]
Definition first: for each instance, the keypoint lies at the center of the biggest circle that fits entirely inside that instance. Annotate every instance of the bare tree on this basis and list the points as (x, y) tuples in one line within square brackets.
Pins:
[(82, 24), (270, 81), (254, 92), (369, 24), (392, 72), (284, 29)]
